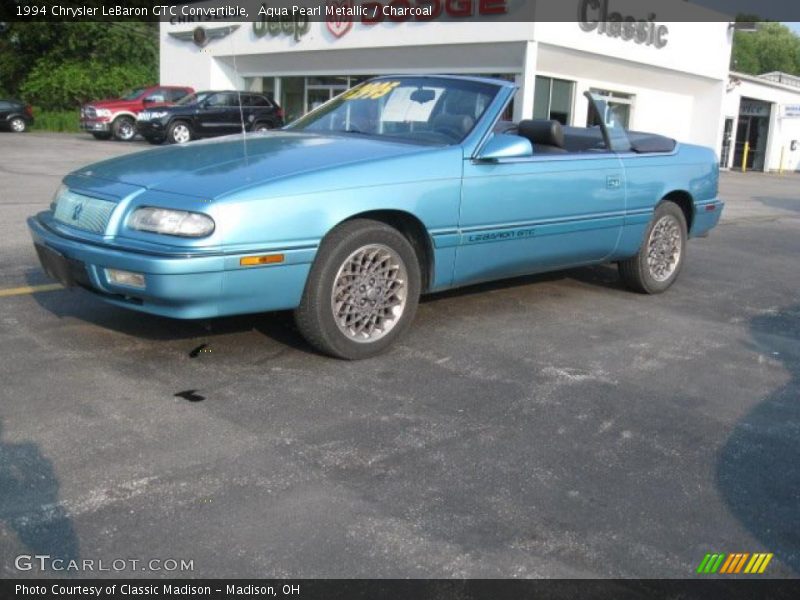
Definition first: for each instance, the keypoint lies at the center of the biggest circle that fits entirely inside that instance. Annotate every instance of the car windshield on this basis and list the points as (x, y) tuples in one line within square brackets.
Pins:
[(193, 98), (425, 110), (133, 94)]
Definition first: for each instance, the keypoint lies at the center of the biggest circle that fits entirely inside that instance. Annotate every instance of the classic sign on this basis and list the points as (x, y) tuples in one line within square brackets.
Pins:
[(596, 15)]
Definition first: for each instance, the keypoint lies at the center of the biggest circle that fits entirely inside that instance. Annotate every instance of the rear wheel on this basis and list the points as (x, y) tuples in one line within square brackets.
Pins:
[(263, 126), (362, 291), (179, 133), (124, 129), (658, 262), (102, 135), (18, 125)]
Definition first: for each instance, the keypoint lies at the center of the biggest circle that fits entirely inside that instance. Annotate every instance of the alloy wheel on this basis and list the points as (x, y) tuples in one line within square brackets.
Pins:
[(664, 248), (369, 293)]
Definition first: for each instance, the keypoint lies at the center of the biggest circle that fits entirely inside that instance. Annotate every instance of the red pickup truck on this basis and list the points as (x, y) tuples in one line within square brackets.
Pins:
[(117, 116)]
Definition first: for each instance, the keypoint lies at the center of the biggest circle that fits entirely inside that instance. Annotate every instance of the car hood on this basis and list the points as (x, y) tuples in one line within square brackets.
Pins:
[(212, 168), (113, 103)]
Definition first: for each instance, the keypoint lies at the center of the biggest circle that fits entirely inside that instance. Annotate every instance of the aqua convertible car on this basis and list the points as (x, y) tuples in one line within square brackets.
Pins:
[(397, 187)]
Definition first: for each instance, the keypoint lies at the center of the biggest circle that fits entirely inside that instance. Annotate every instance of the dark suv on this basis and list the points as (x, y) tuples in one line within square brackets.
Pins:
[(15, 116), (207, 114)]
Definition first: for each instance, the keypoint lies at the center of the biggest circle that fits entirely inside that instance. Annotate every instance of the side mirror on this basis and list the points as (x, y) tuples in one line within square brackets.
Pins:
[(504, 145)]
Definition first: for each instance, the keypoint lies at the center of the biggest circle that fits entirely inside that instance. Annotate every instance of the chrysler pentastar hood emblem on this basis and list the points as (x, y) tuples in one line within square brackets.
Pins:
[(202, 35)]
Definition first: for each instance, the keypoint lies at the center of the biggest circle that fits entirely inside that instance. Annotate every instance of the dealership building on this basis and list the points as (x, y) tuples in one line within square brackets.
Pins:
[(665, 77)]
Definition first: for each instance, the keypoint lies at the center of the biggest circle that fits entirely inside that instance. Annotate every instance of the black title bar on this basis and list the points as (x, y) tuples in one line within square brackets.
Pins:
[(399, 10), (405, 589)]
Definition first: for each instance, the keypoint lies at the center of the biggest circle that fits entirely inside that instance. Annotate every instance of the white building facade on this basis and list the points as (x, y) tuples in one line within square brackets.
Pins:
[(762, 113), (665, 77)]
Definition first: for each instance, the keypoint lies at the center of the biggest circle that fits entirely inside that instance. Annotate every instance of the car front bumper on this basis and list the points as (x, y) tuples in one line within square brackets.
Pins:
[(95, 125), (176, 285)]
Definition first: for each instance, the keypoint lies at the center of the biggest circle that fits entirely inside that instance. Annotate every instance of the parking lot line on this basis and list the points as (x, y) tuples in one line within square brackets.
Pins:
[(30, 289)]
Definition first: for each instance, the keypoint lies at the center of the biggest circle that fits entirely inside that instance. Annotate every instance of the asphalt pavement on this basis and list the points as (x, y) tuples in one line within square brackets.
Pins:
[(549, 426)]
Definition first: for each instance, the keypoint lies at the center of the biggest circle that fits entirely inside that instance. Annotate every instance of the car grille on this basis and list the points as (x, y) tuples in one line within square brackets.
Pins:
[(83, 212)]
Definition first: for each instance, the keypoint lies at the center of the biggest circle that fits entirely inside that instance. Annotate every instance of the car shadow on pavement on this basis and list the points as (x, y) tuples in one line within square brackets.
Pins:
[(758, 469), (83, 305), (782, 203), (279, 326), (29, 503), (605, 276)]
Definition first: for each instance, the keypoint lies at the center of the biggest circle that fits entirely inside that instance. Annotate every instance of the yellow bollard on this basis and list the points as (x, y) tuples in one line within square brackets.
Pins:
[(744, 156)]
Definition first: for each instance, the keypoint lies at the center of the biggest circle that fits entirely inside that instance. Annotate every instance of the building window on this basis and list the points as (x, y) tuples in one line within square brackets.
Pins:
[(622, 104), (552, 99)]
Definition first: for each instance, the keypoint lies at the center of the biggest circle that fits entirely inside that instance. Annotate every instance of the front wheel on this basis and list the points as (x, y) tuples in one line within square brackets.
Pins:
[(362, 291), (18, 125), (658, 262), (124, 129), (179, 133)]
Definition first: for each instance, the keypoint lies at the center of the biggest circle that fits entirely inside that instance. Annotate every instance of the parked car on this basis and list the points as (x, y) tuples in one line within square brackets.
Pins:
[(15, 116), (208, 114), (116, 117), (398, 187)]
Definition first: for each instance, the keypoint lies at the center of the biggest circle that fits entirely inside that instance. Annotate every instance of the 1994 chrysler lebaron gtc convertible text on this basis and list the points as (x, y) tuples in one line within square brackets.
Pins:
[(400, 186)]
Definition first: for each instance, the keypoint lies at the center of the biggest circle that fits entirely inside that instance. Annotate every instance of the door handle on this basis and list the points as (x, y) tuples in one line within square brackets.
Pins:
[(613, 182)]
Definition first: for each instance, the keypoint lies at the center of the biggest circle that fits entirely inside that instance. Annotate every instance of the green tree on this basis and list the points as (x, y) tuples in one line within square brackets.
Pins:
[(772, 47), (82, 60)]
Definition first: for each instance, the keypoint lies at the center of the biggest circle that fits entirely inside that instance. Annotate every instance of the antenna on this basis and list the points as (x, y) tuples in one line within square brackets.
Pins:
[(239, 96)]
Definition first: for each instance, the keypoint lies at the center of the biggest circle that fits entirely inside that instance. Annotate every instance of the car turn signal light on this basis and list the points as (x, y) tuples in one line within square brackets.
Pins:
[(264, 259)]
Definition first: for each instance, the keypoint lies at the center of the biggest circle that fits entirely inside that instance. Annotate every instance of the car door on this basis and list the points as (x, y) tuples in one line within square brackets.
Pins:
[(174, 94), (157, 96), (214, 116), (539, 213)]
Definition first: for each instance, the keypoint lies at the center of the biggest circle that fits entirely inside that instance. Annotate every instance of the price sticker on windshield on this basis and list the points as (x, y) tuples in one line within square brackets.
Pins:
[(373, 91)]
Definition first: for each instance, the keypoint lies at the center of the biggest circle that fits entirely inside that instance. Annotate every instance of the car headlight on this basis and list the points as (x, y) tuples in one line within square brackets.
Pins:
[(103, 112), (171, 222), (62, 189)]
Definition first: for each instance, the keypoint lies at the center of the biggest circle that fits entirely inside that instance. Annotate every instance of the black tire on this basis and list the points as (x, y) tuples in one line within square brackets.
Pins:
[(176, 130), (17, 125), (263, 126), (124, 129), (101, 135), (637, 273), (315, 316)]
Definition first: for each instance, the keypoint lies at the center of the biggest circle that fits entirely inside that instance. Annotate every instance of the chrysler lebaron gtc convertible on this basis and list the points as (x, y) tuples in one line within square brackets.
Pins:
[(398, 187)]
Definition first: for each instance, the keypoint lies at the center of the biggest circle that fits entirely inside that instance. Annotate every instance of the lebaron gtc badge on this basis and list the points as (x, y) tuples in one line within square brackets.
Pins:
[(340, 21), (202, 35)]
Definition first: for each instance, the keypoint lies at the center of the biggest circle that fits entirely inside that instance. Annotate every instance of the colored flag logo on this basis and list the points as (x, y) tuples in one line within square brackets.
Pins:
[(732, 564)]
